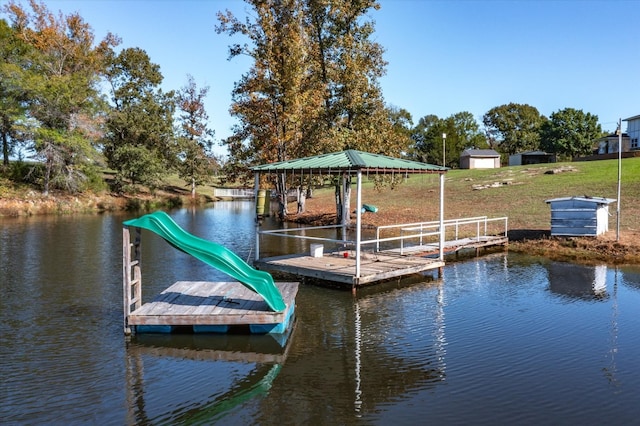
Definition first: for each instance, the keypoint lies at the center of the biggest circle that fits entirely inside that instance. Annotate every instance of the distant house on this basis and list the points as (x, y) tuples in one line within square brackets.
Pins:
[(479, 159), (609, 144), (633, 131), (531, 157)]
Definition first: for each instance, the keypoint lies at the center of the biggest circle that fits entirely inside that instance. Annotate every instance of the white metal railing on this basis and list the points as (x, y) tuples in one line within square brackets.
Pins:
[(233, 192), (420, 230), (407, 231)]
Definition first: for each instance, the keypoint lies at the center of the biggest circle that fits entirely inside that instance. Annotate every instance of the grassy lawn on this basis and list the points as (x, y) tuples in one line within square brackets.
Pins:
[(517, 192)]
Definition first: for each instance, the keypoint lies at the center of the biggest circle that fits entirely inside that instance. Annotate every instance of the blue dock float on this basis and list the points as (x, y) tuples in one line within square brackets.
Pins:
[(213, 307)]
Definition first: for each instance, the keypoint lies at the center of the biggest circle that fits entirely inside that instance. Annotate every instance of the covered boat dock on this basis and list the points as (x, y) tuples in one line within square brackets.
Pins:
[(351, 266)]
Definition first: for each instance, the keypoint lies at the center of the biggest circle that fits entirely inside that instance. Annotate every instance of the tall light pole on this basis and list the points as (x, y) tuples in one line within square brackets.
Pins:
[(619, 178), (444, 157)]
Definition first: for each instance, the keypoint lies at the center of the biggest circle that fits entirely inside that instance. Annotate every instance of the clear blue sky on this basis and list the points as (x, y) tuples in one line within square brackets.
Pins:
[(443, 56)]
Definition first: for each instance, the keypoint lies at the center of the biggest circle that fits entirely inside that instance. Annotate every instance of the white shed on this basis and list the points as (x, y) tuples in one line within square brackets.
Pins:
[(479, 159), (580, 216)]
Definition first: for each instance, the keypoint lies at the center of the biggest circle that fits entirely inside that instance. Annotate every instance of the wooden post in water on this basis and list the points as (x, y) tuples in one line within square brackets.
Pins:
[(131, 275)]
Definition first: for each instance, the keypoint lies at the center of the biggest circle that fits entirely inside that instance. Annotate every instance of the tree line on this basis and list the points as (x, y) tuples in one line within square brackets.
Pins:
[(79, 106), (313, 87)]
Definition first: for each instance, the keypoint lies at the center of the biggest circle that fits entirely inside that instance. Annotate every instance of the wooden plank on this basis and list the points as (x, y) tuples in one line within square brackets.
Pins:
[(183, 309), (342, 270)]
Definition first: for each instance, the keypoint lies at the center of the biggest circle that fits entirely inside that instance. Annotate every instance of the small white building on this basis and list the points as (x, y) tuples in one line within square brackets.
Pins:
[(479, 159), (633, 131), (580, 216)]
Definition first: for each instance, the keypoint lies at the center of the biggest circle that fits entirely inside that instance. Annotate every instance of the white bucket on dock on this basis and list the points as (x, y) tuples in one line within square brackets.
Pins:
[(316, 250)]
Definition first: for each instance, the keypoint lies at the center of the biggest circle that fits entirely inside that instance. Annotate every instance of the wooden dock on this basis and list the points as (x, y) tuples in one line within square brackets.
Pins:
[(452, 246), (214, 307), (335, 267)]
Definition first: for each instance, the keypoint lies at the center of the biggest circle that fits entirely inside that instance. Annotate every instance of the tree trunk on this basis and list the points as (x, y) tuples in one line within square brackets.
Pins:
[(346, 200), (301, 199), (5, 149), (281, 190), (193, 188)]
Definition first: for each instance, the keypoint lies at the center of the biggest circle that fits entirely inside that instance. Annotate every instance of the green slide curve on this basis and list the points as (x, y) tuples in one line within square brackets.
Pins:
[(213, 254)]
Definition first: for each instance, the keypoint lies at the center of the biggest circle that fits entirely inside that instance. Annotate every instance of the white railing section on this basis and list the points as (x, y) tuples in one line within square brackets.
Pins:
[(453, 229), (420, 231), (233, 192)]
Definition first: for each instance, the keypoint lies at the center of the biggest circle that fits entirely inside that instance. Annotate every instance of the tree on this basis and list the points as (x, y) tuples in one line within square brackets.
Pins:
[(462, 132), (427, 139), (513, 127), (268, 99), (346, 65), (313, 84), (401, 125), (461, 129), (13, 96), (570, 132), (139, 141), (194, 136), (63, 89)]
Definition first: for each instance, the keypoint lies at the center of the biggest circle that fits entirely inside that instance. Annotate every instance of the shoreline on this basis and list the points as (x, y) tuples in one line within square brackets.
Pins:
[(538, 242)]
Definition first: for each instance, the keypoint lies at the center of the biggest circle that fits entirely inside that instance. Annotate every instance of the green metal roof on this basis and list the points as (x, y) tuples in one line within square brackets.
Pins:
[(350, 161)]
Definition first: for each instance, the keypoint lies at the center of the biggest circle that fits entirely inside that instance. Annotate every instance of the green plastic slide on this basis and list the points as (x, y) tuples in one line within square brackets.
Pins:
[(213, 254)]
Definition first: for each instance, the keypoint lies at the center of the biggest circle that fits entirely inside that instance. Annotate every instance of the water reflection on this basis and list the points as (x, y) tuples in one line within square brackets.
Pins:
[(631, 276), (577, 281), (252, 363), (494, 341)]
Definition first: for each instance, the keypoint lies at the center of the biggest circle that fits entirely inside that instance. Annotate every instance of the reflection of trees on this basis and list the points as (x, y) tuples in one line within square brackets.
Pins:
[(631, 276), (359, 355)]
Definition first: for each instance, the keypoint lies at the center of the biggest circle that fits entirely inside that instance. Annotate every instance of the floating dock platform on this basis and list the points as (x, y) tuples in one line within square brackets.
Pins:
[(336, 267), (213, 307)]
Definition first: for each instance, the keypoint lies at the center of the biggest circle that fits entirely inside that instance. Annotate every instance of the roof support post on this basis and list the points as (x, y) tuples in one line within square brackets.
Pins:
[(441, 255), (257, 190), (358, 220)]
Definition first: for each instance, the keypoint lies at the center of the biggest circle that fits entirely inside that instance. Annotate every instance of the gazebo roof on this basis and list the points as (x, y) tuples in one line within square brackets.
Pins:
[(350, 161)]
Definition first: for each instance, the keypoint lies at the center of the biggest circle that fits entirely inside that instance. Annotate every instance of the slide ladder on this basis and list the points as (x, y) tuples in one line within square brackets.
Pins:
[(213, 254)]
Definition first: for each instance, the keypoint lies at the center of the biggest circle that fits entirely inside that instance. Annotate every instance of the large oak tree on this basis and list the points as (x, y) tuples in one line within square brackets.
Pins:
[(513, 128), (139, 142), (570, 132)]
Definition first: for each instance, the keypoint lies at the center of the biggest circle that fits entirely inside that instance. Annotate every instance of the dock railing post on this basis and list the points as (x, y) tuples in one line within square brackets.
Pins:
[(441, 254), (358, 220)]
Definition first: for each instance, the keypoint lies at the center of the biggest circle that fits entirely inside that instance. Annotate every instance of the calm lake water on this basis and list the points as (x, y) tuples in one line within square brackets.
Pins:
[(500, 339)]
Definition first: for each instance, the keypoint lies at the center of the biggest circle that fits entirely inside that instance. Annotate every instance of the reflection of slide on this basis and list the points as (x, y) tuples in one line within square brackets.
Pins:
[(213, 254)]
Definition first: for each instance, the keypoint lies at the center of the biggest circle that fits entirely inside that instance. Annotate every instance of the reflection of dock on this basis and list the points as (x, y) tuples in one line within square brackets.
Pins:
[(251, 348), (211, 307), (268, 352)]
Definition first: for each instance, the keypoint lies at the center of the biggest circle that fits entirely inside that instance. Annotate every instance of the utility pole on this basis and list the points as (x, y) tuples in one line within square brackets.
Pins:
[(619, 178), (444, 156)]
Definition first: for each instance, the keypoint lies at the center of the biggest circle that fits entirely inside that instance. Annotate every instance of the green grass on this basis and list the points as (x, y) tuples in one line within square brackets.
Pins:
[(520, 195)]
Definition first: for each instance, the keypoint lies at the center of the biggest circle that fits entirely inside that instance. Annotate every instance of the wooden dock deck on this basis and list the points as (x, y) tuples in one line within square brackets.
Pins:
[(335, 267), (213, 307)]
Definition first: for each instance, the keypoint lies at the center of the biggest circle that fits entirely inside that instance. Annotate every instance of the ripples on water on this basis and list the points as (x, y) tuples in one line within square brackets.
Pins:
[(500, 339)]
